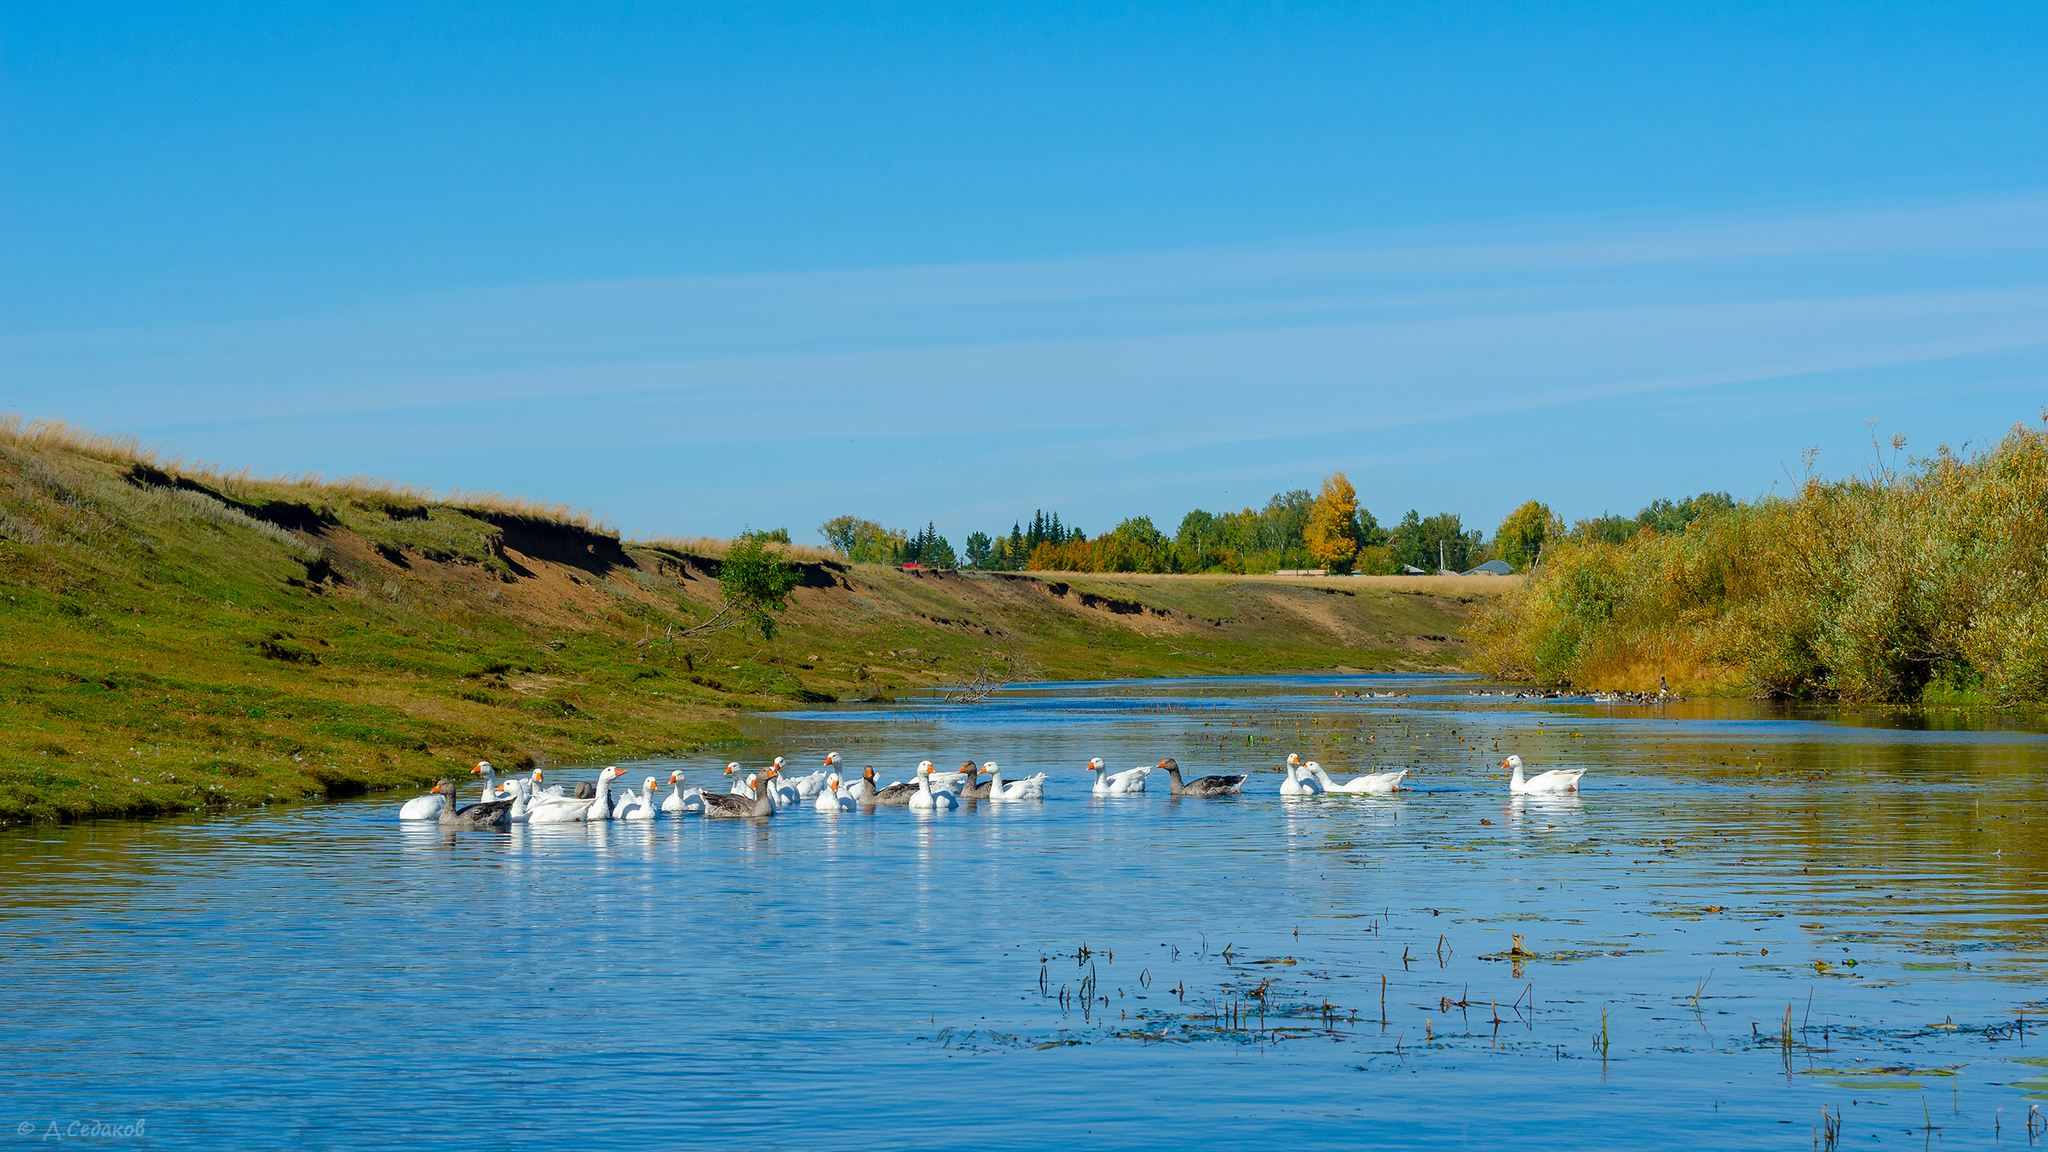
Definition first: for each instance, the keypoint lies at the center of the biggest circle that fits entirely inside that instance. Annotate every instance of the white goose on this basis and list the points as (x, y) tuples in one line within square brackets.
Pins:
[(831, 799), (426, 807), (1555, 780), (490, 775), (928, 798), (1296, 784), (1370, 784), (679, 802), (808, 787), (597, 807), (519, 791), (1029, 788), (1124, 783), (539, 793), (741, 785), (637, 805)]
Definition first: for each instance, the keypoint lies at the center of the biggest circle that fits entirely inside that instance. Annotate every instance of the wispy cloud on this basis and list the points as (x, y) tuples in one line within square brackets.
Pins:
[(1113, 361)]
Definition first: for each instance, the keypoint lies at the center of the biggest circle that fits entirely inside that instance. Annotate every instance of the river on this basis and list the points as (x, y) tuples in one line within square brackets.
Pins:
[(1749, 914)]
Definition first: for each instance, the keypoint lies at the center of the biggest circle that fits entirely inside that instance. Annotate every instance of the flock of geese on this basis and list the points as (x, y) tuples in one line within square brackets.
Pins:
[(762, 794)]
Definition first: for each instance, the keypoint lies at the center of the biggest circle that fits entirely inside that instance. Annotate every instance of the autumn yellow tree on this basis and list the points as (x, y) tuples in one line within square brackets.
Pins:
[(1332, 530), (1522, 535)]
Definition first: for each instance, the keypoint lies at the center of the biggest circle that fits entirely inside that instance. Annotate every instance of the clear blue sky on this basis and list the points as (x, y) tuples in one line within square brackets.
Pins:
[(699, 266)]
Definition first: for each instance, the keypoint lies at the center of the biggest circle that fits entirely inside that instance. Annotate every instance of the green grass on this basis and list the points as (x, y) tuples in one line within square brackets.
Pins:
[(178, 640)]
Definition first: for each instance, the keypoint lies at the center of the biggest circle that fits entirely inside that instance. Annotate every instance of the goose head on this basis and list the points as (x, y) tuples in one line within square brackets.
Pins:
[(831, 761), (1094, 765), (1511, 763), (676, 777), (989, 766), (832, 782), (1170, 766), (651, 784), (778, 763), (1293, 762)]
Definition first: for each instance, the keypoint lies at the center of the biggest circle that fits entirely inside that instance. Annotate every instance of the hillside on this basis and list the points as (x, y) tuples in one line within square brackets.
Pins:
[(178, 637)]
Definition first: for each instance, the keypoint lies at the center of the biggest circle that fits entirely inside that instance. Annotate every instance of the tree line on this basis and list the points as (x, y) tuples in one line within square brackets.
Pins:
[(1296, 529)]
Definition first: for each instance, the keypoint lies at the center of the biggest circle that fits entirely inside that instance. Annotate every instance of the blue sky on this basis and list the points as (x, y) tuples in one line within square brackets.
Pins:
[(764, 265)]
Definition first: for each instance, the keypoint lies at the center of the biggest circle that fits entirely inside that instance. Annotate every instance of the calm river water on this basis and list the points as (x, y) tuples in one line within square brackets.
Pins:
[(1747, 916)]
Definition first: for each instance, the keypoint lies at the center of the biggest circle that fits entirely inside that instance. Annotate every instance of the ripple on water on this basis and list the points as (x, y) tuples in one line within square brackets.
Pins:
[(1128, 971)]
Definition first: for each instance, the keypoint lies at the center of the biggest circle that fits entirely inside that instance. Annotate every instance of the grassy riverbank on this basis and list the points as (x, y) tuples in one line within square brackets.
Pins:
[(178, 638), (1927, 586)]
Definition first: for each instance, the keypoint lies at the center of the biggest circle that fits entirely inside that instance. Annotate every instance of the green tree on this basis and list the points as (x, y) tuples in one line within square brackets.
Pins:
[(1671, 516), (1605, 528), (861, 541), (754, 582), (1331, 533), (1525, 531), (1441, 539), (1136, 545), (979, 549)]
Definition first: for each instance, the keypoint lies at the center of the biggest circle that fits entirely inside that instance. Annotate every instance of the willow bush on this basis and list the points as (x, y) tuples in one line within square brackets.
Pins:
[(1926, 584)]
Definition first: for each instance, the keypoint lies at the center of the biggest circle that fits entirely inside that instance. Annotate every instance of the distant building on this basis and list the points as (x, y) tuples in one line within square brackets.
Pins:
[(1412, 570), (911, 566), (1492, 568), (1302, 572)]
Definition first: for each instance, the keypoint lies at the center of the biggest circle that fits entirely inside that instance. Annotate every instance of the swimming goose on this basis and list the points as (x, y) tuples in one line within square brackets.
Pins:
[(808, 787), (490, 775), (972, 786), (554, 790), (896, 795), (831, 799), (1201, 785), (1029, 788), (1124, 783), (1296, 784), (679, 802), (1555, 780), (732, 807), (637, 805), (491, 814), (596, 806), (426, 807), (928, 798), (518, 792), (1370, 784), (782, 792), (741, 785)]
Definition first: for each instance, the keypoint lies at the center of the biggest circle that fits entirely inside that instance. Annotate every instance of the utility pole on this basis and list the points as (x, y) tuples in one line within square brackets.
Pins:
[(1440, 558)]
